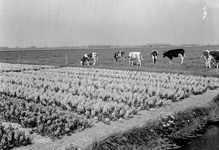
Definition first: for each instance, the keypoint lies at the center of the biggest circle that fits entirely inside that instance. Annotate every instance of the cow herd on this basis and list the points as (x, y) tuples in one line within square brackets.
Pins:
[(210, 57)]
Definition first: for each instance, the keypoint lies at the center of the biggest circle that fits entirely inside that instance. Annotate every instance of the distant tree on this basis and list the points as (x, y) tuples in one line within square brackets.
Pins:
[(32, 47)]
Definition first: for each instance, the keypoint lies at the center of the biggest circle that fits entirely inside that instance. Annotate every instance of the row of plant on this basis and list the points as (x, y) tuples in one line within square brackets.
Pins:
[(103, 93), (6, 67), (46, 120), (12, 137)]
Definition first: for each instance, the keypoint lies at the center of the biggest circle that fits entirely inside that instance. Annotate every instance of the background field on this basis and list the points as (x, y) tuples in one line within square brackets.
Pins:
[(192, 63)]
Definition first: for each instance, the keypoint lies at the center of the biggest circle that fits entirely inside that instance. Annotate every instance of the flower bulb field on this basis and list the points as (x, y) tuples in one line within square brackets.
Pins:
[(55, 98)]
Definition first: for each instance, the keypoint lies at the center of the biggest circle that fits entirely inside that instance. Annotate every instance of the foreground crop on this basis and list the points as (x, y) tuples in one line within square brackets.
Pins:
[(105, 94)]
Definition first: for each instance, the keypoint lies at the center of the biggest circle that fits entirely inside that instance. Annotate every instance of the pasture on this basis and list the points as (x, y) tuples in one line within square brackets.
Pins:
[(192, 63)]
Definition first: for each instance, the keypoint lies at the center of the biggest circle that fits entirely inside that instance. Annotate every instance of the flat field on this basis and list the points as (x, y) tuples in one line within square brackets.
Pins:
[(66, 105), (192, 63)]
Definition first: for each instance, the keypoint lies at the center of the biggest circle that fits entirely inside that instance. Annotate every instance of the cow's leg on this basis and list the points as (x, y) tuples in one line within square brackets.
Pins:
[(209, 63), (81, 63), (182, 58), (206, 62), (94, 62), (88, 62), (170, 60), (130, 61), (155, 59), (139, 62), (123, 59)]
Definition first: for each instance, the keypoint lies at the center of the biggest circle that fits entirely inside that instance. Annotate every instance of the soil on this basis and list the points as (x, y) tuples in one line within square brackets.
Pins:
[(100, 130)]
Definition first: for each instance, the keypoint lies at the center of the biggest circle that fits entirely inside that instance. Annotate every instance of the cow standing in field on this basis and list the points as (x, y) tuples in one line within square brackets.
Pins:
[(207, 58), (174, 53), (135, 55), (210, 56), (119, 54), (88, 57), (214, 56), (154, 55)]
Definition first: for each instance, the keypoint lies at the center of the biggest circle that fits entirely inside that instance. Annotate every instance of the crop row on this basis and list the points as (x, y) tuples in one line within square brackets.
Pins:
[(11, 137), (107, 93), (6, 67), (46, 120)]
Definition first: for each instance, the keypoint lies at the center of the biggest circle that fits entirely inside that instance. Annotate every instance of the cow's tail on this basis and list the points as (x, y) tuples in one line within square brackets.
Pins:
[(141, 57), (184, 55), (97, 57), (201, 55)]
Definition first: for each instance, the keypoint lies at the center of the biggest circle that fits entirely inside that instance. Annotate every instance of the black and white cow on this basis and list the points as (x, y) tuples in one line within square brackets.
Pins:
[(119, 54), (154, 55), (174, 53), (210, 57), (214, 56), (88, 57), (135, 55), (207, 58)]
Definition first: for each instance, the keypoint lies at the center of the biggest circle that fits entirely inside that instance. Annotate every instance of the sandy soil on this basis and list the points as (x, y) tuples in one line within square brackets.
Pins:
[(101, 130)]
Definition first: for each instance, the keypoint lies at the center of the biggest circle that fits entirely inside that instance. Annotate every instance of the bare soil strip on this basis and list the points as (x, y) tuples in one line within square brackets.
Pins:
[(100, 130)]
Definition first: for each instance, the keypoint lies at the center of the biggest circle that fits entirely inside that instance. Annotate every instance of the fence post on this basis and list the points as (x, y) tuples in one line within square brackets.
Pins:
[(66, 59)]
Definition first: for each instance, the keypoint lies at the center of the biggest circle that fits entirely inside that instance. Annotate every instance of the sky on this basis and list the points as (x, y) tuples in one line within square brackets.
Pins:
[(55, 23)]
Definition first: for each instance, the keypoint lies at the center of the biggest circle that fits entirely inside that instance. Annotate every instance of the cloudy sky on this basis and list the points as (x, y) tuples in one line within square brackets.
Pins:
[(40, 23)]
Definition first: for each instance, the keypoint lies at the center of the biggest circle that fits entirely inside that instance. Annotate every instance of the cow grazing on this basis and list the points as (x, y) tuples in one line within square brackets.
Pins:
[(88, 57), (119, 54), (207, 58), (154, 55), (214, 55), (210, 56), (135, 55), (174, 53)]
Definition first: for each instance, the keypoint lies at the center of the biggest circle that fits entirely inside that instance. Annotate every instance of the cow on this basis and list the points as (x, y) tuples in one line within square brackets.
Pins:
[(135, 55), (88, 57), (207, 58), (119, 54), (154, 55), (174, 53), (214, 55), (210, 56)]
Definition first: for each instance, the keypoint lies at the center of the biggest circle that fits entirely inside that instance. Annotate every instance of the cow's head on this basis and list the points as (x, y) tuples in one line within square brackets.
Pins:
[(164, 54), (95, 55)]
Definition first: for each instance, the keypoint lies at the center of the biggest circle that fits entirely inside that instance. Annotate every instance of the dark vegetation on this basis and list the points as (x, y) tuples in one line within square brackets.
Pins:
[(47, 120), (11, 137)]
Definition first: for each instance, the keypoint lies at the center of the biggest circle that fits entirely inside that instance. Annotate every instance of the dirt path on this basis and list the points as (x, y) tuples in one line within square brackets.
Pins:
[(101, 130)]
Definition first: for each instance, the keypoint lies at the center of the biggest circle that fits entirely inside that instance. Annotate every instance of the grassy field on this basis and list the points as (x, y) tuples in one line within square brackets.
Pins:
[(192, 63)]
